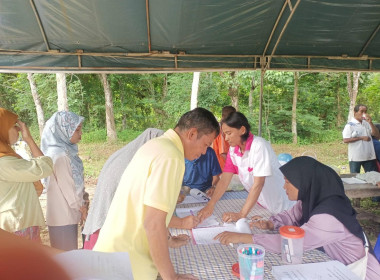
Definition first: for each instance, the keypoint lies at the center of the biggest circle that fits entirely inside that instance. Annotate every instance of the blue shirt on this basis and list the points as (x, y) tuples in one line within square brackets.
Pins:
[(199, 172), (376, 145)]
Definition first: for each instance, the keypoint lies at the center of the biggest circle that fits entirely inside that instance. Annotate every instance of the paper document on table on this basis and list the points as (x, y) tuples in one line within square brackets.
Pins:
[(209, 222), (353, 180), (331, 270), (190, 199), (87, 264), (184, 212), (204, 236)]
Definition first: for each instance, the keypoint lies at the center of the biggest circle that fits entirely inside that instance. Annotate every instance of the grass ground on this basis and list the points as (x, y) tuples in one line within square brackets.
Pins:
[(334, 154)]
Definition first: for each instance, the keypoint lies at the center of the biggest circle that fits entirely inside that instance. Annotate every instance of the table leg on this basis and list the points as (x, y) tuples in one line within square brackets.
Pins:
[(356, 202)]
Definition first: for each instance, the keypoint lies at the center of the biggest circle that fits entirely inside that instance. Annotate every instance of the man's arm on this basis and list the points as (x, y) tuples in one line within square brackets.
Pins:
[(374, 130), (211, 190), (155, 227), (215, 180), (187, 222), (347, 133), (354, 139)]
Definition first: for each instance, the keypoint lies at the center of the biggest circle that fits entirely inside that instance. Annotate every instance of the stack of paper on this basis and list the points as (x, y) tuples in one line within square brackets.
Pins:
[(87, 264), (190, 199), (331, 270), (353, 180)]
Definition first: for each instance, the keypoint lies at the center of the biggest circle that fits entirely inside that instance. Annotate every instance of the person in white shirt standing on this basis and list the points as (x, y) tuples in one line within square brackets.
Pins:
[(358, 135), (66, 207)]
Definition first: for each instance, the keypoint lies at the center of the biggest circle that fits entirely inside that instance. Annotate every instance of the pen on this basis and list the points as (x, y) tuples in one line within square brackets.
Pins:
[(191, 212)]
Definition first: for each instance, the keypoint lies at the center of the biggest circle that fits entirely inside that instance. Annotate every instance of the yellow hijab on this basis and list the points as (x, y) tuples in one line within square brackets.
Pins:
[(7, 121)]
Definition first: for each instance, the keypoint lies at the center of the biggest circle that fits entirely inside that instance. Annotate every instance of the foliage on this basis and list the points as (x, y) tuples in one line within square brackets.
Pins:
[(100, 135), (158, 100), (94, 136), (371, 95)]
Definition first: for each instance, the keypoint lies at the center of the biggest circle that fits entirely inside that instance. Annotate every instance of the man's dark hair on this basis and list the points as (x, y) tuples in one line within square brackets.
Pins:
[(201, 119), (357, 107), (237, 120)]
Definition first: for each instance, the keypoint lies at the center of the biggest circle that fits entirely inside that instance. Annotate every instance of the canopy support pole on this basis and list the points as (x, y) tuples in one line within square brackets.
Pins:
[(261, 101), (282, 33), (369, 40), (274, 28), (40, 24), (290, 4), (148, 23)]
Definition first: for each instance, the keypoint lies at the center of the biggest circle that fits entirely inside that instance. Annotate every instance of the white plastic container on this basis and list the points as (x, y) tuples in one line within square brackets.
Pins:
[(291, 244)]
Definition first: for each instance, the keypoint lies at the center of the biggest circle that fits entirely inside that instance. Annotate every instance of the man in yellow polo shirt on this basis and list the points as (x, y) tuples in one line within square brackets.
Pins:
[(146, 197)]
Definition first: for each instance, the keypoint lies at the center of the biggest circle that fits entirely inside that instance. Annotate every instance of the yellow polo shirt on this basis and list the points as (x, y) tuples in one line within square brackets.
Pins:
[(152, 178)]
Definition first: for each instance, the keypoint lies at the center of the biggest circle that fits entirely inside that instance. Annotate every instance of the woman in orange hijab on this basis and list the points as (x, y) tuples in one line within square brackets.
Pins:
[(20, 210)]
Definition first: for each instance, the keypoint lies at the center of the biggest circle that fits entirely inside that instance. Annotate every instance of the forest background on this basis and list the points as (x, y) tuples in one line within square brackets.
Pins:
[(158, 100), (302, 108), (303, 112)]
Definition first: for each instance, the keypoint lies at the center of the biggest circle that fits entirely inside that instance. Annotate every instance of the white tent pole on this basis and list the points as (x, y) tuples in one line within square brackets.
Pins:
[(194, 91), (261, 101)]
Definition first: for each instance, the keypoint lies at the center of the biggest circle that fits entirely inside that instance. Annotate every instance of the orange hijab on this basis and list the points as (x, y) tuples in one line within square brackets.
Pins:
[(7, 120)]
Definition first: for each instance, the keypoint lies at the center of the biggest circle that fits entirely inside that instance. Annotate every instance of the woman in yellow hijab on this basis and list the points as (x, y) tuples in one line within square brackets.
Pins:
[(20, 210)]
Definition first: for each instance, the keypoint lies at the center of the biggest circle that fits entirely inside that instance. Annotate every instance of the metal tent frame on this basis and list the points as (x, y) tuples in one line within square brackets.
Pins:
[(189, 35)]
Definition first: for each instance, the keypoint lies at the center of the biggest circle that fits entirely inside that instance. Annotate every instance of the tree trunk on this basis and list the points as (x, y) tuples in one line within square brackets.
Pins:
[(110, 120), (124, 115), (194, 91), (352, 88), (294, 108), (250, 97), (123, 102), (262, 73), (233, 90), (165, 86), (62, 92), (37, 103), (339, 117)]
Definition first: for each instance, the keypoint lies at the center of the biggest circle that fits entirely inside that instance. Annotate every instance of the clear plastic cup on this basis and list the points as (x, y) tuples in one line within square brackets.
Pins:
[(291, 244), (251, 261)]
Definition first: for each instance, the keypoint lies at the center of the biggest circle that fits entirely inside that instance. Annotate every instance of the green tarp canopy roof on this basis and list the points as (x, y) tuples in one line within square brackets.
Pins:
[(189, 35)]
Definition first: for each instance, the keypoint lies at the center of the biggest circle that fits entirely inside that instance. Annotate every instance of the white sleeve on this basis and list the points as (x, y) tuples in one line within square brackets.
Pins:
[(260, 159), (347, 131)]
